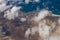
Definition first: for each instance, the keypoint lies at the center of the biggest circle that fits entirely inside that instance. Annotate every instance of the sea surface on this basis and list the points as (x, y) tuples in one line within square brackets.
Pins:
[(51, 5)]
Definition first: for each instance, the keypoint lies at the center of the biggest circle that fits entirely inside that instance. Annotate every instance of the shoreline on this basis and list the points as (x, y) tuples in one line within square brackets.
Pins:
[(55, 15)]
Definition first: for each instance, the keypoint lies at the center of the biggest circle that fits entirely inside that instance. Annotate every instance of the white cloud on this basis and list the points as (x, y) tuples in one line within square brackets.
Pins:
[(34, 30), (27, 1), (2, 5), (15, 9), (44, 30), (36, 0), (12, 13), (31, 31), (23, 19), (59, 21), (1, 1), (53, 25), (28, 32), (43, 13), (54, 38)]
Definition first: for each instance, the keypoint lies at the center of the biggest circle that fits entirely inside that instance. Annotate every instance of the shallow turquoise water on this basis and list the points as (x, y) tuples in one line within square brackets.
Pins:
[(56, 13)]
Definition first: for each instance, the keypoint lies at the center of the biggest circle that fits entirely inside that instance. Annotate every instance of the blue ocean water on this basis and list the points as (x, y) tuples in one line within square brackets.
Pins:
[(52, 5)]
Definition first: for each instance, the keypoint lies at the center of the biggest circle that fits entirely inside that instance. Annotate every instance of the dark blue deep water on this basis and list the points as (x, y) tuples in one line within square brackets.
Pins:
[(52, 5)]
